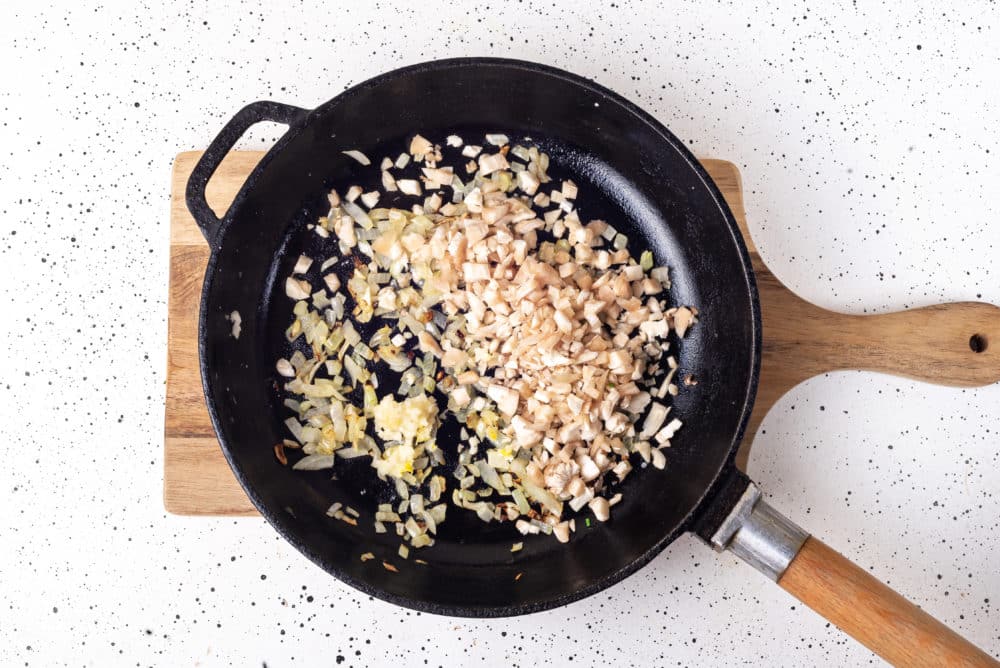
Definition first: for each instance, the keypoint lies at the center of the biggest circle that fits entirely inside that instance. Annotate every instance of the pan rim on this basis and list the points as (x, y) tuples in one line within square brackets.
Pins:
[(274, 516)]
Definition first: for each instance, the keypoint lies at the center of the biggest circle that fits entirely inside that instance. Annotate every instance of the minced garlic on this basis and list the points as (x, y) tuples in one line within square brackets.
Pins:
[(396, 461), (412, 420)]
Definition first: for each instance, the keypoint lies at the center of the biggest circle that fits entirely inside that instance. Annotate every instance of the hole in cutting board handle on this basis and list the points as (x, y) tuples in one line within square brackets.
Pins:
[(978, 343)]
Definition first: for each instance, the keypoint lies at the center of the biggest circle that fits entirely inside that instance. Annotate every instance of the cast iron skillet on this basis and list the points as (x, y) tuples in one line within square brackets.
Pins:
[(631, 170)]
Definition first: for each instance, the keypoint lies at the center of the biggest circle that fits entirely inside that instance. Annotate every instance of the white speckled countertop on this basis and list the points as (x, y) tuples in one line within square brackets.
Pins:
[(867, 142)]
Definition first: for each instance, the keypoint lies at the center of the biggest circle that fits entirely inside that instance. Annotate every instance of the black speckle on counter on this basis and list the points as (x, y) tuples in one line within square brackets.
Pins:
[(868, 169)]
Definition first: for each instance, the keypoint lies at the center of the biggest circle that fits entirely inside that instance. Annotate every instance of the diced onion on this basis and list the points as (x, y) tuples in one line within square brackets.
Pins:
[(497, 139), (314, 463), (358, 214), (409, 186), (370, 199), (359, 156), (548, 339)]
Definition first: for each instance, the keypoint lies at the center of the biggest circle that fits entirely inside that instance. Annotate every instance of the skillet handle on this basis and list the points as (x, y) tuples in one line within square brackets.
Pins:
[(839, 590), (244, 119), (872, 613)]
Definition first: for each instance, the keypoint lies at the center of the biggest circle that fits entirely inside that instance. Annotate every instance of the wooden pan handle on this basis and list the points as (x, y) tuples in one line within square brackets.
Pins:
[(954, 344), (872, 613)]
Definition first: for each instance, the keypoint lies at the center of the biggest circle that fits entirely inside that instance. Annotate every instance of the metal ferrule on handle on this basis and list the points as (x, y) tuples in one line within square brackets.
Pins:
[(839, 590), (759, 534)]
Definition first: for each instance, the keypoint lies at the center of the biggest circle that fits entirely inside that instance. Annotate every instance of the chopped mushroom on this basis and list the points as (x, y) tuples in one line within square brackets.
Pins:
[(492, 163), (419, 147), (601, 509), (506, 398), (683, 319), (549, 340), (569, 189), (528, 182), (658, 460), (561, 532), (588, 469), (668, 432), (655, 418)]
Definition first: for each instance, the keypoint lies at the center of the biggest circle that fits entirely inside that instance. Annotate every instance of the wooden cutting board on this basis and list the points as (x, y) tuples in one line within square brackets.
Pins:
[(936, 344)]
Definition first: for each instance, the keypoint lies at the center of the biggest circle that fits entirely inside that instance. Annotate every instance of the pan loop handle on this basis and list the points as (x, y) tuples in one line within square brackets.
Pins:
[(244, 119)]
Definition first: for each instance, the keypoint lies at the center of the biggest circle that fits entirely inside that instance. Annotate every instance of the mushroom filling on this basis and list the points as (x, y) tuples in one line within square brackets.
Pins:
[(541, 334)]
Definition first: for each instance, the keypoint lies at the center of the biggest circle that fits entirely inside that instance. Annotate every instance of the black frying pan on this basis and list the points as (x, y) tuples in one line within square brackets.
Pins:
[(632, 171)]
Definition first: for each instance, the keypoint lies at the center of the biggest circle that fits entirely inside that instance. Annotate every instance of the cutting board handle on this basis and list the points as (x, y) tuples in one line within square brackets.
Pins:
[(955, 344), (952, 344), (872, 613), (949, 344)]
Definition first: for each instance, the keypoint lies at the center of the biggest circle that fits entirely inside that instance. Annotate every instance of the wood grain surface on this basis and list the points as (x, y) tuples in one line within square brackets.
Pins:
[(873, 614), (801, 340)]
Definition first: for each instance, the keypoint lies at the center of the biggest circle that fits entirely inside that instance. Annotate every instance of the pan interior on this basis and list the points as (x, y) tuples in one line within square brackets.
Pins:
[(630, 174)]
